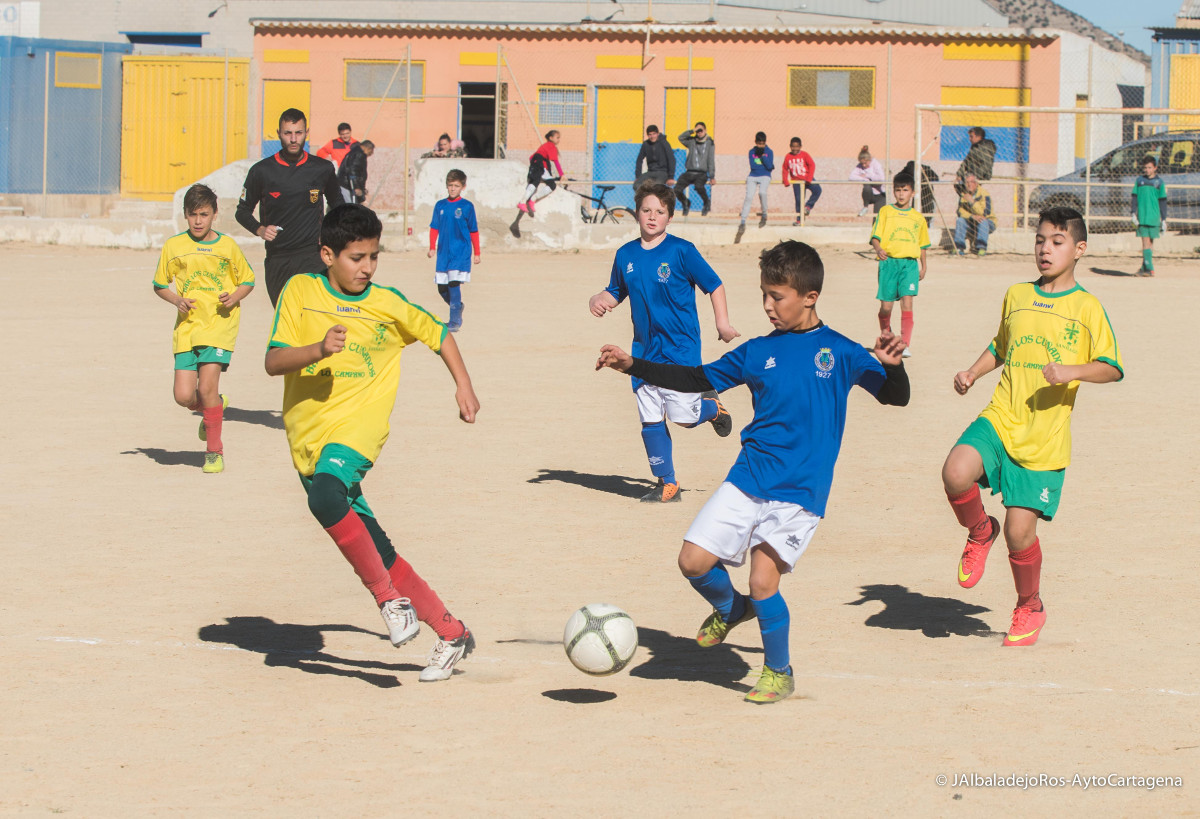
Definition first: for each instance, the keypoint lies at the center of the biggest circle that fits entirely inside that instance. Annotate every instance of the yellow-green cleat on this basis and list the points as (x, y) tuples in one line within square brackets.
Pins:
[(214, 462), (772, 686), (224, 406), (715, 629)]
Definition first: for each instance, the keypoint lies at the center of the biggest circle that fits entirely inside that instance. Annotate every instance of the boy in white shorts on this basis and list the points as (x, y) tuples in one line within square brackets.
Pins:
[(454, 222), (769, 506), (658, 273)]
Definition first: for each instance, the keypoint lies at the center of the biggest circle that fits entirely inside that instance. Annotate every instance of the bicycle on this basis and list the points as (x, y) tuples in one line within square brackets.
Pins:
[(618, 215)]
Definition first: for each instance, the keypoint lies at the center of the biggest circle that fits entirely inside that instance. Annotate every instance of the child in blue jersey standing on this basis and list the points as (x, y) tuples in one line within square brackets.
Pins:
[(454, 237), (774, 496), (658, 273)]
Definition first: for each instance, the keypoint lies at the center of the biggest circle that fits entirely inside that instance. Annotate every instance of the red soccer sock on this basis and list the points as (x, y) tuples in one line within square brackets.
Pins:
[(1027, 575), (430, 608), (212, 427), (885, 323), (906, 326), (359, 549), (968, 508)]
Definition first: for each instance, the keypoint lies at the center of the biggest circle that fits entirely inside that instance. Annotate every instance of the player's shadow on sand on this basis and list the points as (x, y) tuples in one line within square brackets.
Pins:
[(1105, 271), (613, 484), (679, 658), (932, 616), (192, 458), (291, 645), (263, 418)]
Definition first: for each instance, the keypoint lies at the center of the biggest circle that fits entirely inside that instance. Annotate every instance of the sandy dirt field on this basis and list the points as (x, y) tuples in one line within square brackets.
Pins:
[(181, 644)]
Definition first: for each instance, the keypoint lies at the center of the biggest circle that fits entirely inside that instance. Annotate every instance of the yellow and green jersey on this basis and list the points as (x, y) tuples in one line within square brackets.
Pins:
[(902, 234), (202, 271), (347, 398), (1031, 416)]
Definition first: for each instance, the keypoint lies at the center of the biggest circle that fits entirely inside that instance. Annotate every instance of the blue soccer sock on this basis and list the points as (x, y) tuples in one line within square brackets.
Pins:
[(774, 622), (455, 300), (657, 439), (708, 410), (716, 587)]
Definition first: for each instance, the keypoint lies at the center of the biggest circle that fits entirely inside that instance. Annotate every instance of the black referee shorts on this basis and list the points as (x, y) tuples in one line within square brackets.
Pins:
[(279, 267)]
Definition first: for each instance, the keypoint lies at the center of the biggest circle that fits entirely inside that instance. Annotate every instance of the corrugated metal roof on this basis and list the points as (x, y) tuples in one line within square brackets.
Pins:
[(655, 28)]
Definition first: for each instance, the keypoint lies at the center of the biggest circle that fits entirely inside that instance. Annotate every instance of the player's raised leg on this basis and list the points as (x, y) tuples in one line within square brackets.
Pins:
[(212, 408), (960, 473), (711, 580)]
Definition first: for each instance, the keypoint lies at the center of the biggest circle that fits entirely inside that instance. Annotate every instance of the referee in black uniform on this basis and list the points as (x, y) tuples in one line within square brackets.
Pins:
[(290, 190)]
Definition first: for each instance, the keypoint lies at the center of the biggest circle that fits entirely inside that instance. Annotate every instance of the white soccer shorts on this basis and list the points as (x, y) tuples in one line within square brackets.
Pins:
[(655, 403), (445, 277), (732, 522)]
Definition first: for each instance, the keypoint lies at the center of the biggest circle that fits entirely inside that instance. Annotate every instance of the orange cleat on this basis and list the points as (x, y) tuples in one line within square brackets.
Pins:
[(1026, 626), (974, 556), (663, 493)]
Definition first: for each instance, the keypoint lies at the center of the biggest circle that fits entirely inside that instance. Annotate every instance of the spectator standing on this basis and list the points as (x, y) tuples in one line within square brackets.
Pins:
[(352, 173), (335, 149)]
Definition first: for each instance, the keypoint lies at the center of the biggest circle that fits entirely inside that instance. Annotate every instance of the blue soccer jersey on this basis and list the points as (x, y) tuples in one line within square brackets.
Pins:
[(454, 220), (799, 383), (660, 285)]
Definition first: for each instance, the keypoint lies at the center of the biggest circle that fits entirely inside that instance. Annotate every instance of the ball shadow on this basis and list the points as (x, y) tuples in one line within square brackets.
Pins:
[(579, 696)]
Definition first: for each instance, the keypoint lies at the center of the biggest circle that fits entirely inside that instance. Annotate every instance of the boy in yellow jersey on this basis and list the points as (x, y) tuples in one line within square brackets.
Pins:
[(1053, 335), (211, 278), (900, 237), (337, 341)]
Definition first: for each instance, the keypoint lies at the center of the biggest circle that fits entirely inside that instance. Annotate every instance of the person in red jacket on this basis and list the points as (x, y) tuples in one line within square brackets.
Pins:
[(799, 166), (335, 149)]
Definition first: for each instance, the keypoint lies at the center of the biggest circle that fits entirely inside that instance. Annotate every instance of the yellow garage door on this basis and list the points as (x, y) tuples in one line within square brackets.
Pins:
[(278, 96), (1185, 90), (181, 119)]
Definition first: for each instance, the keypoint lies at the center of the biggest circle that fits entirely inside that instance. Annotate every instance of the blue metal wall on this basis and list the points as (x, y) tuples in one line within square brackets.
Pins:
[(83, 131)]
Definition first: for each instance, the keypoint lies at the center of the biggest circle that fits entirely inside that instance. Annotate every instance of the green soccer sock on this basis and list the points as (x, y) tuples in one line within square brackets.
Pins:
[(1148, 259)]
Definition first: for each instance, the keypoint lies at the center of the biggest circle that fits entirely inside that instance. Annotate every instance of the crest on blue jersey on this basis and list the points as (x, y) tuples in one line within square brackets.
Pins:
[(664, 272), (458, 213), (824, 359)]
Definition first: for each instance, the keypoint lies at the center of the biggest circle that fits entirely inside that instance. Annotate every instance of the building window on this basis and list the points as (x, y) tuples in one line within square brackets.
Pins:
[(383, 79), (829, 86), (76, 70), (560, 105)]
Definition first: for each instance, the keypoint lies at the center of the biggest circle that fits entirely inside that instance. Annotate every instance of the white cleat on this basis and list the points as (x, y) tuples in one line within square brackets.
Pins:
[(401, 620), (445, 656)]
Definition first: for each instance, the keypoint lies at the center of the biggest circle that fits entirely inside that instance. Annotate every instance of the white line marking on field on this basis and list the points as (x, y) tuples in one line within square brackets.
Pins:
[(477, 658)]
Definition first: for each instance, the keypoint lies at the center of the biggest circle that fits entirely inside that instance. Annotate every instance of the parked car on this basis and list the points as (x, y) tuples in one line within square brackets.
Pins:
[(1178, 157)]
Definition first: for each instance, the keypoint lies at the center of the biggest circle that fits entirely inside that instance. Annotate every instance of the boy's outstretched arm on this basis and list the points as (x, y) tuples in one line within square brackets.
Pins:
[(464, 395), (284, 360), (1095, 372), (672, 376), (982, 366), (725, 331), (601, 303)]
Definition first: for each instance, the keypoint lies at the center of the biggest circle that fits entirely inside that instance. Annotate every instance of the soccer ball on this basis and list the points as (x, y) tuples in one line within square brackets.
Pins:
[(600, 639)]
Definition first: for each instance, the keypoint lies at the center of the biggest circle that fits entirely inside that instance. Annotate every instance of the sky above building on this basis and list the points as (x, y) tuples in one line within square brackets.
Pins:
[(1135, 19)]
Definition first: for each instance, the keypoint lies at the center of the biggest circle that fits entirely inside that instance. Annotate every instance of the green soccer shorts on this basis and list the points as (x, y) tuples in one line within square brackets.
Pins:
[(1036, 489)]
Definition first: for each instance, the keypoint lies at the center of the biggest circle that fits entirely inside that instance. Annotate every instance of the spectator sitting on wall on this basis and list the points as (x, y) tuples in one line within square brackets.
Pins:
[(978, 160), (870, 173), (659, 158), (352, 173), (974, 214), (699, 168), (447, 148), (335, 149)]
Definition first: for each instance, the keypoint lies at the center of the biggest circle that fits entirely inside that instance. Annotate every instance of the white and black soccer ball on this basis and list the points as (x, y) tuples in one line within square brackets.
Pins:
[(600, 639)]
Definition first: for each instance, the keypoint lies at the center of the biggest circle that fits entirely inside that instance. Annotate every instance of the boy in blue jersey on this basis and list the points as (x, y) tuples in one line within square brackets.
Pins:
[(774, 496), (454, 223), (658, 273)]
